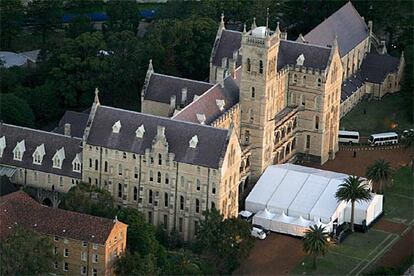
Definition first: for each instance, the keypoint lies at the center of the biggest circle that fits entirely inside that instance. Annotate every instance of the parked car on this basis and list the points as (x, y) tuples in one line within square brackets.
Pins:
[(258, 233), (267, 231)]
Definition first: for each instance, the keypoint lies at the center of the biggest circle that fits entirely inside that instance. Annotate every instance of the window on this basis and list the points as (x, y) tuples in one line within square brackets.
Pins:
[(84, 243), (253, 92), (167, 180), (151, 176), (152, 160), (198, 185), (55, 238), (197, 203), (295, 78), (213, 205), (150, 217), (180, 224), (159, 159), (106, 166), (165, 199), (65, 266), (319, 82), (304, 80), (251, 117), (135, 193), (150, 196), (119, 190), (56, 265), (303, 100), (66, 252), (307, 146), (119, 169), (56, 162), (165, 222), (247, 137), (316, 122), (248, 65), (261, 66), (95, 246), (182, 181), (94, 272), (181, 203), (83, 270), (90, 180), (124, 155), (55, 250), (96, 164), (84, 256), (48, 178), (95, 258), (90, 162), (195, 227), (159, 177), (213, 189), (60, 180)]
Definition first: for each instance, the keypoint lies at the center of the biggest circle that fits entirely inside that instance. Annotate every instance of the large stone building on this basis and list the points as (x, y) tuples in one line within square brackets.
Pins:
[(198, 144), (87, 245)]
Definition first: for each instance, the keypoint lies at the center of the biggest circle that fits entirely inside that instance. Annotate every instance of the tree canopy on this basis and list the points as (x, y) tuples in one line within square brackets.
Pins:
[(315, 242)]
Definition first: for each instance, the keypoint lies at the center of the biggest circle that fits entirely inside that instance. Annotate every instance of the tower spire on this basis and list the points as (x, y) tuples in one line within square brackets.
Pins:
[(222, 21), (267, 18), (254, 26), (96, 100), (277, 27), (244, 27)]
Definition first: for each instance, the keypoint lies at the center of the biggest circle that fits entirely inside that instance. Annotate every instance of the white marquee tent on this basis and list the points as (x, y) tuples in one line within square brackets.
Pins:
[(289, 199)]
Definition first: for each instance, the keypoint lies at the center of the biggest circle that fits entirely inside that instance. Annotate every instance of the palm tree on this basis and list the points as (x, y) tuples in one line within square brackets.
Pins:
[(315, 242), (353, 190), (379, 172)]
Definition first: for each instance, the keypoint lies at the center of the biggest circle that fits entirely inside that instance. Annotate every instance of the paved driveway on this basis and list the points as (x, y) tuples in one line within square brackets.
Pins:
[(276, 255)]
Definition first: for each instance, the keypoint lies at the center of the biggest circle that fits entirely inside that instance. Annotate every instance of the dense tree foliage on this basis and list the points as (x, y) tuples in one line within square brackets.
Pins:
[(380, 172), (315, 242), (11, 20), (25, 252), (15, 110), (123, 15)]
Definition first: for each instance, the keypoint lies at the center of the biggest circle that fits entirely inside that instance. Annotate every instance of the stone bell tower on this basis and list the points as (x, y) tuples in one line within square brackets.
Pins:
[(259, 97)]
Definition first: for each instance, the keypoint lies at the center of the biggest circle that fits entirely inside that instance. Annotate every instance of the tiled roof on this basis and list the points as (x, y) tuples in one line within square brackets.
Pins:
[(161, 87), (18, 208), (350, 86), (346, 23), (210, 148), (34, 138), (315, 56), (77, 121), (206, 104), (375, 67), (229, 42)]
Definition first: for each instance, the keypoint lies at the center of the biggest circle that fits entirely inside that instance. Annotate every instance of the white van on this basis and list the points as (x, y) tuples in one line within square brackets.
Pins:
[(258, 233)]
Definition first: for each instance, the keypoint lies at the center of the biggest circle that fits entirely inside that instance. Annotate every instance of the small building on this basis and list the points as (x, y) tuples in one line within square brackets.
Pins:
[(24, 59), (289, 199), (89, 245)]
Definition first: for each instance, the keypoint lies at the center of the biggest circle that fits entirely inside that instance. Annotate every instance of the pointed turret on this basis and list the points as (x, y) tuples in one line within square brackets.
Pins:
[(277, 31), (96, 100), (254, 26), (244, 28), (150, 67), (221, 26), (300, 39)]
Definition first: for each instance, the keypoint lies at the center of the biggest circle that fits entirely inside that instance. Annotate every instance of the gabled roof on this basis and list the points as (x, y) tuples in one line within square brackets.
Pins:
[(77, 121), (375, 67), (18, 208), (210, 148), (346, 23), (206, 104), (316, 57), (34, 138), (350, 86), (161, 87), (228, 42)]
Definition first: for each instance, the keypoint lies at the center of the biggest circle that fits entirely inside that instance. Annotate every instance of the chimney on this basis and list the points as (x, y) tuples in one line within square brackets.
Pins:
[(183, 96), (160, 131), (67, 130)]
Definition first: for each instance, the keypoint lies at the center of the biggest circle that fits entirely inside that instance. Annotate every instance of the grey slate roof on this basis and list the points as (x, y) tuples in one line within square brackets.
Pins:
[(210, 148), (161, 87), (346, 23), (206, 104), (315, 56), (350, 86), (229, 42), (34, 138), (375, 67), (77, 121)]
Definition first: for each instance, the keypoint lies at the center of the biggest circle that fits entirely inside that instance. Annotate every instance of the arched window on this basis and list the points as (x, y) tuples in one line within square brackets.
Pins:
[(213, 189), (165, 199), (159, 177), (261, 66), (135, 193), (198, 185), (90, 163), (304, 80), (213, 205), (106, 166), (150, 196), (124, 155), (120, 169), (181, 203), (316, 122), (251, 117), (247, 137), (96, 164), (159, 159), (136, 172), (295, 78), (197, 207), (248, 65), (151, 176), (319, 82), (253, 92), (167, 180), (119, 190)]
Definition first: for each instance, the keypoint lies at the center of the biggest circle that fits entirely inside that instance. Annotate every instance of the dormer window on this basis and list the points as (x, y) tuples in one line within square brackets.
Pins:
[(220, 104), (201, 118), (76, 163), (2, 145), (116, 127), (58, 158), (300, 60), (193, 142), (38, 154), (19, 151), (140, 132)]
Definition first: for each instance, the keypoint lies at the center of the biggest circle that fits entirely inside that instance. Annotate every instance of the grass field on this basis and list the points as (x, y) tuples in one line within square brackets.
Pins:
[(360, 251), (381, 115)]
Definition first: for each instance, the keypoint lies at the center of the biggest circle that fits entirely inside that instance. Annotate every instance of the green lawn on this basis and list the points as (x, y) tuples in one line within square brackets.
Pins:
[(356, 250), (380, 115)]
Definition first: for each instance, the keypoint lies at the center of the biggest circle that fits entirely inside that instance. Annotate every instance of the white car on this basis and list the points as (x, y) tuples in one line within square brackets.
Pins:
[(258, 233)]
